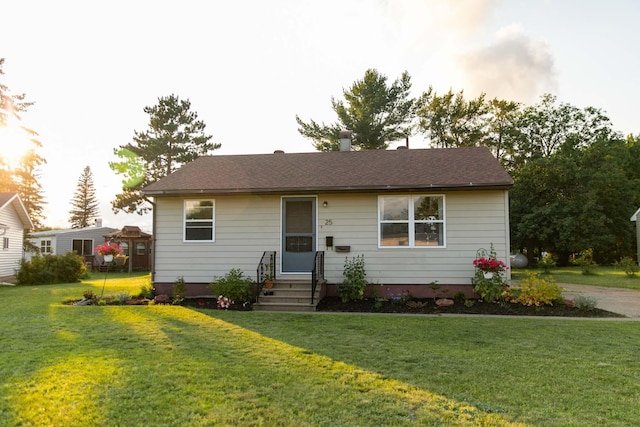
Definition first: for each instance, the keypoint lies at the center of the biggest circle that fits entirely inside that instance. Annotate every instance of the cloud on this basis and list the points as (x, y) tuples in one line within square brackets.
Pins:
[(515, 67), (447, 22)]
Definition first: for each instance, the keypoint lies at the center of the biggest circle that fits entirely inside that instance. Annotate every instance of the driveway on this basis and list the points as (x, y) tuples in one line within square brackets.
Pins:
[(616, 300)]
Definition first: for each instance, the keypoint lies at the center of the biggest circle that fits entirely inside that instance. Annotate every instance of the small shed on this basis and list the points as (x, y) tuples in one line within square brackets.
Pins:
[(135, 244), (14, 220)]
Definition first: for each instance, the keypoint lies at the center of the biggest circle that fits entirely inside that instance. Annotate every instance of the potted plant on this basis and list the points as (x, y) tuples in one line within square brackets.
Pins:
[(489, 266), (108, 251)]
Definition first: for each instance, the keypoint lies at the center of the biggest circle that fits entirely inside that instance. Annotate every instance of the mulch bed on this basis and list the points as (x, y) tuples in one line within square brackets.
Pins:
[(428, 306)]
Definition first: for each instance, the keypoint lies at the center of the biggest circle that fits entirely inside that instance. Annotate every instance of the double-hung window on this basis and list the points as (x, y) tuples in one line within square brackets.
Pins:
[(412, 221), (199, 220)]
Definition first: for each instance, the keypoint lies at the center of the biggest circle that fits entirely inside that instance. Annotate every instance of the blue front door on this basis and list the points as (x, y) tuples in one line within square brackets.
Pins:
[(298, 234)]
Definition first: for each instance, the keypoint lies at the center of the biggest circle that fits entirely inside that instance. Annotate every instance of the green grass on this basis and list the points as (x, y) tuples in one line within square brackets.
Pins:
[(606, 276), (175, 366)]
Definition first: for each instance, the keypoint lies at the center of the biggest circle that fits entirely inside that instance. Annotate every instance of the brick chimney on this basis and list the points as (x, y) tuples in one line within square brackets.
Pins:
[(345, 140)]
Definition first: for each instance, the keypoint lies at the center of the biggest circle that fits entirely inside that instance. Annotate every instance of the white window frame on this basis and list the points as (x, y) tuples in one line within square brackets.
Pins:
[(411, 221), (196, 221), (45, 246)]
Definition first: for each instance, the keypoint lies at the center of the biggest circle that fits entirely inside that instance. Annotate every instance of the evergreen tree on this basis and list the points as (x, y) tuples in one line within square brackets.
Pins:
[(85, 203), (175, 137), (375, 112)]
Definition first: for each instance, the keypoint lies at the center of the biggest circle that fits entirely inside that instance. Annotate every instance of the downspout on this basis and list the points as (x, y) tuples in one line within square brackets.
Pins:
[(153, 240)]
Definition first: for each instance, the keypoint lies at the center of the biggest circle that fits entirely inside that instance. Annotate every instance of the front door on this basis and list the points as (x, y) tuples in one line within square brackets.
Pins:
[(298, 234)]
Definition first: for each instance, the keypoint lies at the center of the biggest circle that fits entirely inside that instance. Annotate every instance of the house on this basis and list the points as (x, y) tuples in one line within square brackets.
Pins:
[(417, 216), (84, 240), (59, 242), (14, 220), (635, 218)]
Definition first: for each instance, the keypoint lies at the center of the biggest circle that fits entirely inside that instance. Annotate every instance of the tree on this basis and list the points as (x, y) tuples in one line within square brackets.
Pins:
[(576, 199), (502, 133), (451, 121), (550, 126), (20, 174), (375, 112), (175, 137), (84, 203)]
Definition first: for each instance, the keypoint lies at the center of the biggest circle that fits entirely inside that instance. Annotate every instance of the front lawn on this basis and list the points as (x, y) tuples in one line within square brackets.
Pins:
[(176, 366)]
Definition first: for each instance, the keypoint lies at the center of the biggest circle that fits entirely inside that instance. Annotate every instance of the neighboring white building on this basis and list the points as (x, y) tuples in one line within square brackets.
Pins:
[(14, 220), (635, 218), (417, 216)]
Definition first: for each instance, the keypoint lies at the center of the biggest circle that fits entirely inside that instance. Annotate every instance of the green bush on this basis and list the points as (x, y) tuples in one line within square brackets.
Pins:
[(628, 265), (178, 291), (50, 269), (147, 291), (490, 290), (586, 262), (234, 285), (355, 282), (546, 263), (537, 291)]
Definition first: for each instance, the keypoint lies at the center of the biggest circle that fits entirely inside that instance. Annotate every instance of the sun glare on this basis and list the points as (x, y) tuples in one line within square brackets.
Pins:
[(15, 141)]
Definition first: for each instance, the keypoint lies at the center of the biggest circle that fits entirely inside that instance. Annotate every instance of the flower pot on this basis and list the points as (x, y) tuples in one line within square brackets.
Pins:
[(488, 274), (108, 258), (268, 284)]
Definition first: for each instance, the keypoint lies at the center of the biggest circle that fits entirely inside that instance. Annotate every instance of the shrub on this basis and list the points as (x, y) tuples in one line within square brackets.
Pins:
[(89, 295), (355, 282), (50, 269), (584, 302), (178, 291), (586, 262), (628, 265), (491, 289), (546, 263), (122, 297), (459, 297), (537, 291), (147, 291), (234, 285)]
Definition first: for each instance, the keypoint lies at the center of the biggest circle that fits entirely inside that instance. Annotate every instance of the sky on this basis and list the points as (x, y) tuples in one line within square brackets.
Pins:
[(249, 67)]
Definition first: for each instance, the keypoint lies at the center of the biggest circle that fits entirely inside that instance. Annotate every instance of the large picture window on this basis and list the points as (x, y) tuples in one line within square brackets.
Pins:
[(82, 247), (411, 221), (199, 220)]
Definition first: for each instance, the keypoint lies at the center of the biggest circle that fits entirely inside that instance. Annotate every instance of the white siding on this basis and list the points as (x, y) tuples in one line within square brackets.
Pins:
[(248, 225), (245, 227), (10, 258)]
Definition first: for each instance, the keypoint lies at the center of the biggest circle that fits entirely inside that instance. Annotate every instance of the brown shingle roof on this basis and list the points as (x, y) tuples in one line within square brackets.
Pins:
[(355, 171)]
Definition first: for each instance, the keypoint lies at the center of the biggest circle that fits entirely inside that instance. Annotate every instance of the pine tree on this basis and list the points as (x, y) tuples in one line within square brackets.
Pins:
[(84, 202), (175, 137)]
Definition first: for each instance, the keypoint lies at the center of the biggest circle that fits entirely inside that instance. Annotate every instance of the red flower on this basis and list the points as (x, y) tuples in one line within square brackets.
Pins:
[(108, 249), (489, 264)]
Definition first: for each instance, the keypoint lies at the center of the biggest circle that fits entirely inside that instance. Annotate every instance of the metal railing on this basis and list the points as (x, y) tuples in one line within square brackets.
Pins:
[(317, 274), (266, 270)]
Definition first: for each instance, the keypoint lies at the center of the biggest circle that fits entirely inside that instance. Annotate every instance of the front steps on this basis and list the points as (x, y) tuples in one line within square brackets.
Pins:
[(288, 295)]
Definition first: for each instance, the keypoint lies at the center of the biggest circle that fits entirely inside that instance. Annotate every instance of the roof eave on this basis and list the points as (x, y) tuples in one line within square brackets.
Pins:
[(345, 189)]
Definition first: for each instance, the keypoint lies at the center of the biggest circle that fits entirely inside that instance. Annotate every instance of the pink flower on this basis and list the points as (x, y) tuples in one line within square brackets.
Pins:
[(489, 264), (108, 249)]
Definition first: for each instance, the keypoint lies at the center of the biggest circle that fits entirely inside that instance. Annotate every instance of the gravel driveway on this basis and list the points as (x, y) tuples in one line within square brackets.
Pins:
[(616, 300)]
